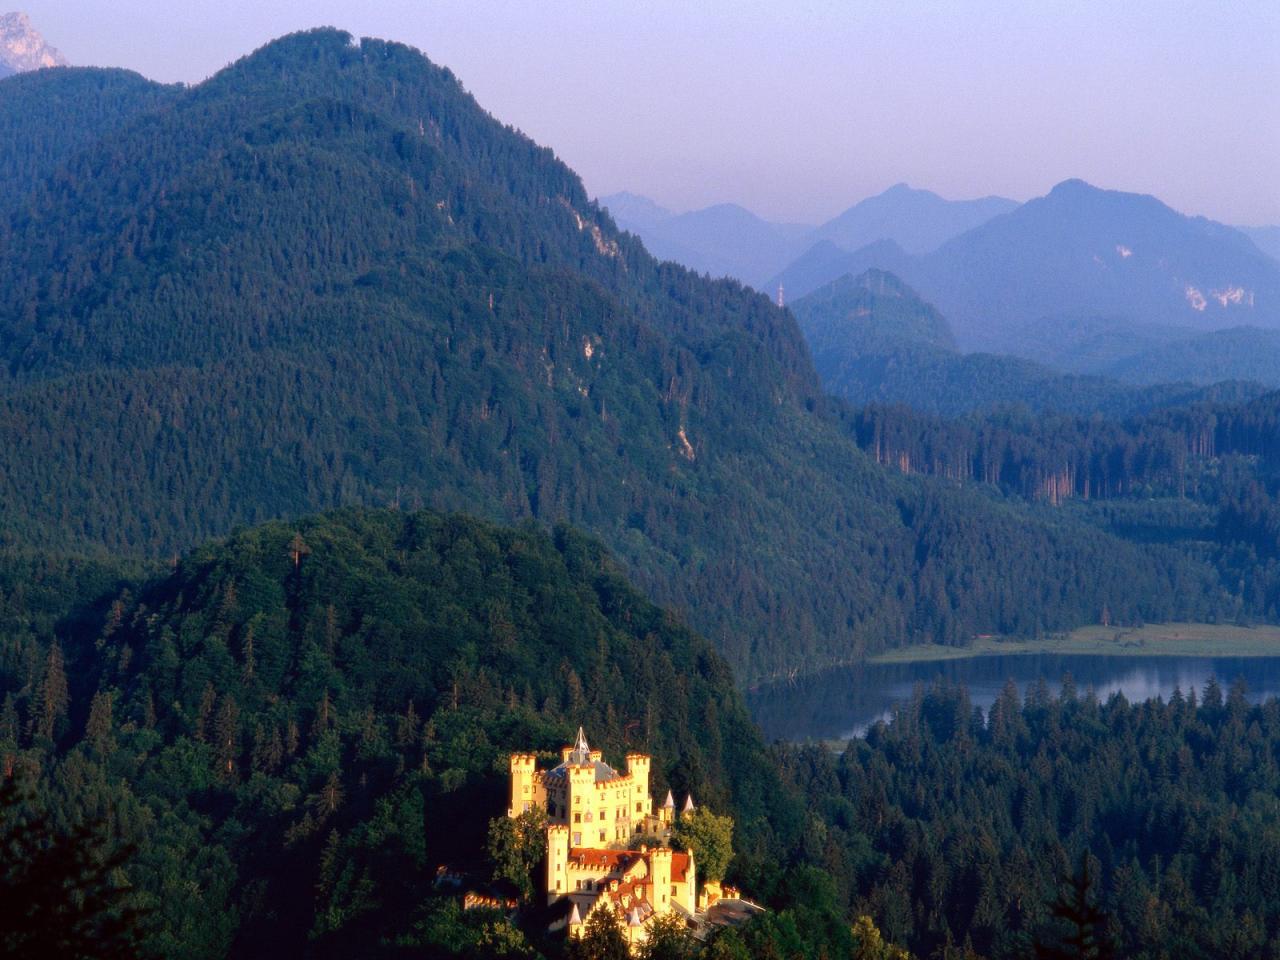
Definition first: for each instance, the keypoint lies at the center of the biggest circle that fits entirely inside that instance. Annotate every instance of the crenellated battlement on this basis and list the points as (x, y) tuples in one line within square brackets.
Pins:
[(600, 806)]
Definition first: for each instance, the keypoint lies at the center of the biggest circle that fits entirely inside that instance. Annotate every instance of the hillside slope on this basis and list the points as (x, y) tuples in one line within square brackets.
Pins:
[(326, 276), (301, 723)]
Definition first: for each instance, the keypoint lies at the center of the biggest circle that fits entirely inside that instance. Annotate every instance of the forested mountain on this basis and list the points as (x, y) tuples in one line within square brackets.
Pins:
[(1246, 353), (871, 311), (1079, 251), (916, 220), (286, 734), (48, 116), (875, 341), (296, 727), (326, 276)]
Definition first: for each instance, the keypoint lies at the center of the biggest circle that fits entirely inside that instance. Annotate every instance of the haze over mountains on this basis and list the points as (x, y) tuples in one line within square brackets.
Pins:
[(1080, 252), (1087, 281), (728, 240), (875, 340)]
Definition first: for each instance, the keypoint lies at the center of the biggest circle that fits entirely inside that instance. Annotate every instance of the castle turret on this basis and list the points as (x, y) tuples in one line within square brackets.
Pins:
[(557, 862), (688, 806), (667, 813), (524, 792), (638, 768), (660, 877)]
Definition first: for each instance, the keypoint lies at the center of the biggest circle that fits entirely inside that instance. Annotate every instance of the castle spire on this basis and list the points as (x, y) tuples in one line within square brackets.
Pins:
[(581, 752)]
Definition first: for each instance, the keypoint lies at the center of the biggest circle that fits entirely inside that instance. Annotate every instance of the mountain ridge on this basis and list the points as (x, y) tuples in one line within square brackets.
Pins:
[(728, 239), (874, 340), (1081, 250)]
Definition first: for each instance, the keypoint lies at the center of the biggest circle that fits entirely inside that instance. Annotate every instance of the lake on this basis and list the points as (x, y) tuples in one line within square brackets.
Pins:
[(844, 702)]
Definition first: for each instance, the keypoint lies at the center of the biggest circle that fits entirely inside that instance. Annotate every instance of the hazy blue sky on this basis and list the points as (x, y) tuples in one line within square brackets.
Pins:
[(798, 108)]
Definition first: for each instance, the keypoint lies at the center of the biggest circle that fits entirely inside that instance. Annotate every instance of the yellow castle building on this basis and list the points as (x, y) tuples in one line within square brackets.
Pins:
[(595, 816), (600, 806)]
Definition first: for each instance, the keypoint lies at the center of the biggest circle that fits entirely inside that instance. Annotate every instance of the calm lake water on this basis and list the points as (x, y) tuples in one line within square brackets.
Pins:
[(842, 703)]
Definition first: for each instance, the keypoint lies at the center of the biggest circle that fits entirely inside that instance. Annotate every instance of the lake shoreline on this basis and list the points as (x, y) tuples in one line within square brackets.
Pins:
[(1151, 640)]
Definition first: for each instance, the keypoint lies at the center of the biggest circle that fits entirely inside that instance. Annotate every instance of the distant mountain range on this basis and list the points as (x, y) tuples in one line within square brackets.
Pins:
[(724, 241), (1079, 251), (916, 220), (875, 340), (22, 48), (728, 240), (1082, 280)]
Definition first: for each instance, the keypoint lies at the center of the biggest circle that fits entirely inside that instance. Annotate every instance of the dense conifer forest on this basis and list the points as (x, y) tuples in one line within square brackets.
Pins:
[(566, 485), (326, 277), (1204, 479), (284, 736)]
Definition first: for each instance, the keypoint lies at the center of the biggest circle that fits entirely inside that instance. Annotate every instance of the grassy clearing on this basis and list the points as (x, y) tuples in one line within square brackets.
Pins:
[(1159, 639)]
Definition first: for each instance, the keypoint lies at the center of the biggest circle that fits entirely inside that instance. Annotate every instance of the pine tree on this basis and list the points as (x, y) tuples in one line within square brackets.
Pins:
[(205, 712), (54, 697), (97, 729), (1082, 925), (226, 736)]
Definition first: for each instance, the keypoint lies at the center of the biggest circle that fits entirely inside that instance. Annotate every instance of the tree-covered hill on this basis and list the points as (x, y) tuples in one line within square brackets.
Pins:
[(288, 732), (47, 116), (296, 726), (327, 277)]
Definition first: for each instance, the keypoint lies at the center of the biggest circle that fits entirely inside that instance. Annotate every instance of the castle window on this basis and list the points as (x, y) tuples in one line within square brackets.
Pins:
[(602, 836), (638, 808), (577, 839), (577, 818)]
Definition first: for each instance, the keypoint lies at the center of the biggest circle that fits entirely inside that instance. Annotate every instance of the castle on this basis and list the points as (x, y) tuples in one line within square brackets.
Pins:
[(600, 806), (605, 845)]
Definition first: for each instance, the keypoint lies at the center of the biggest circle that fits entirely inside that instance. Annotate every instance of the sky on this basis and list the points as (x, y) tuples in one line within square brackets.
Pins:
[(797, 109)]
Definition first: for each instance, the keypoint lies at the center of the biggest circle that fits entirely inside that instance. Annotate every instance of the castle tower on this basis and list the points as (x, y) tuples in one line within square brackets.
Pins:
[(580, 805), (660, 876), (524, 794), (557, 862), (638, 768)]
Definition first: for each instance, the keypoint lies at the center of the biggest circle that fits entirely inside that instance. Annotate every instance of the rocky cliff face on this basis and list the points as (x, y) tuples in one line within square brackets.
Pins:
[(22, 48)]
